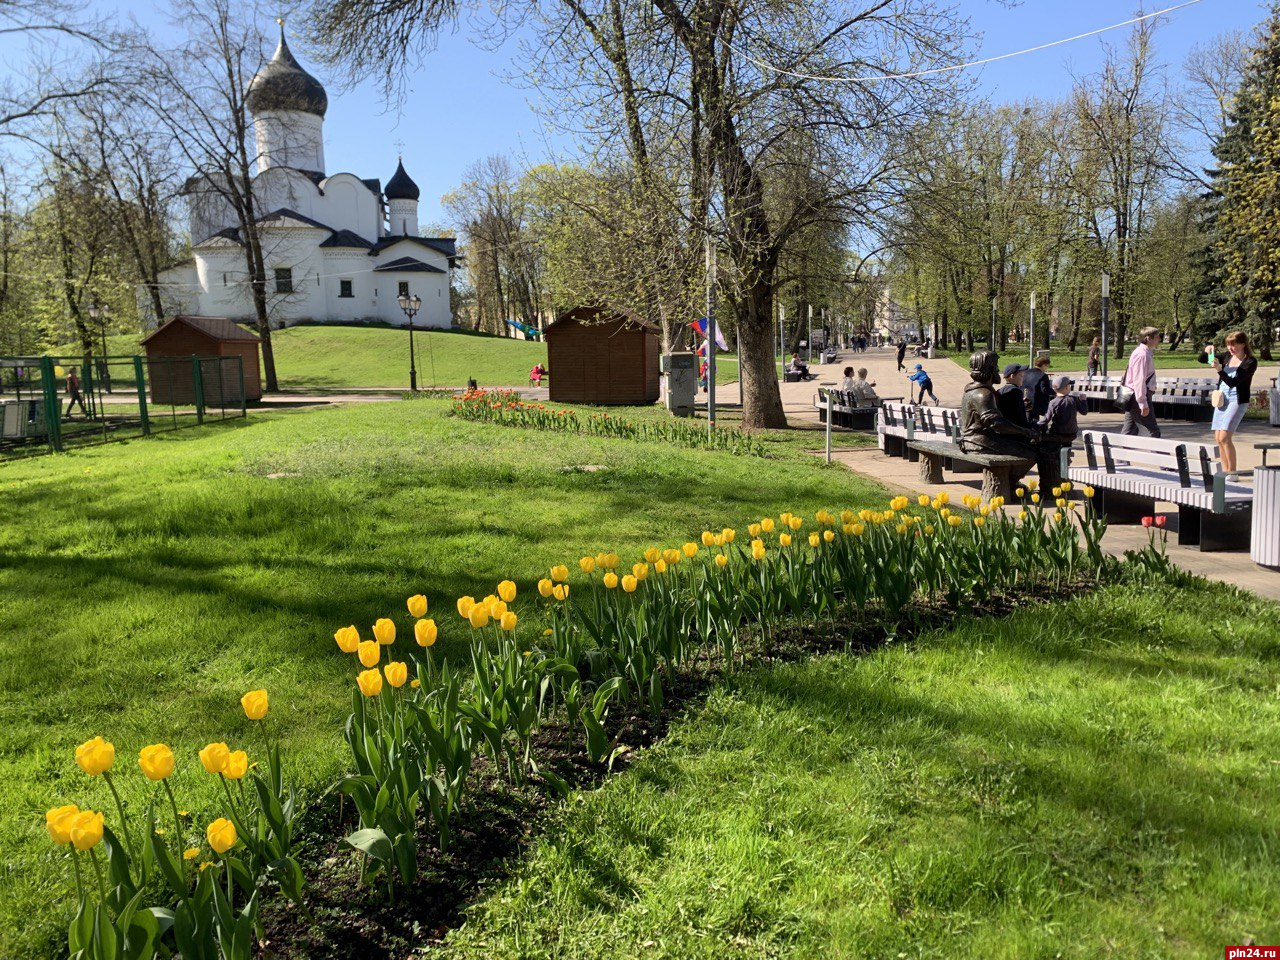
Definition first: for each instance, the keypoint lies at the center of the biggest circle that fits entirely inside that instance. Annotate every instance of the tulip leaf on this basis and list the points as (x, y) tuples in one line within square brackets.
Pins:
[(168, 865), (288, 874), (372, 842)]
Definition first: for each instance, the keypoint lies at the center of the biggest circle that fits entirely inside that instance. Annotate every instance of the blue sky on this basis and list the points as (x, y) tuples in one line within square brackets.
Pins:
[(461, 110)]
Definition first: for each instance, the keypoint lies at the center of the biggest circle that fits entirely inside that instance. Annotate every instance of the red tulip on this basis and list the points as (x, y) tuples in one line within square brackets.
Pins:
[(1146, 521), (1161, 521)]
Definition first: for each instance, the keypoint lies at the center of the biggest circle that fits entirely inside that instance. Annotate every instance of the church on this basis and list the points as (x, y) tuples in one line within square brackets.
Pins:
[(337, 248)]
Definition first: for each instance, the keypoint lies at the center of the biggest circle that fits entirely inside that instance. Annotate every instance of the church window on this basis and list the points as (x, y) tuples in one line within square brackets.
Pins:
[(344, 288), (224, 279), (284, 280), (404, 288)]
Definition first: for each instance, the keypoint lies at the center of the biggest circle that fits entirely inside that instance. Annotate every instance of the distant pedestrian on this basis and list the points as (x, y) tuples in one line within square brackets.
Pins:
[(73, 392), (922, 379), (1235, 380), (1095, 357), (902, 353), (1140, 377)]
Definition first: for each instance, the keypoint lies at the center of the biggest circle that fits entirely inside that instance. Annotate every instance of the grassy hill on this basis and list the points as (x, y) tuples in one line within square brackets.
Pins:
[(313, 358)]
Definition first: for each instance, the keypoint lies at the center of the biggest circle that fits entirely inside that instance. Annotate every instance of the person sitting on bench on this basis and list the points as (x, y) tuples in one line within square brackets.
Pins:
[(798, 367), (1060, 426), (1009, 398), (863, 392), (983, 429)]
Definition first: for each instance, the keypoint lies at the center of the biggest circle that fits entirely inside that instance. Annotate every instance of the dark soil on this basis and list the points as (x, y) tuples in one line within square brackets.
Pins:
[(351, 921)]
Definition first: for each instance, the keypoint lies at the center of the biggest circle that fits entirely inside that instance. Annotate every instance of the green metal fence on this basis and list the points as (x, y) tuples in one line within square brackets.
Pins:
[(50, 404)]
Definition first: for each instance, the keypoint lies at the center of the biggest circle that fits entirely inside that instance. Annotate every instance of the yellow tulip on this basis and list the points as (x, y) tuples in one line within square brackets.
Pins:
[(611, 561), (1088, 492), (1021, 492), (690, 549), (888, 515), (255, 704), (846, 516), (544, 587), (954, 521), (86, 829), (561, 591), (237, 765), (370, 653), (727, 534), (508, 621), (560, 573), (58, 822), (767, 524), (671, 556), (721, 560), (814, 540), (928, 529), (640, 571), (464, 606), (652, 555), (923, 500), (369, 682), (397, 673), (979, 521), (497, 608), (1022, 514), (347, 638), (214, 757), (660, 566), (629, 583), (1035, 498), (156, 761), (1066, 486), (708, 539), (588, 564), (1061, 503), (1057, 492), (757, 553), (753, 529), (1032, 484), (611, 580), (385, 631), (786, 517), (1057, 516), (425, 631), (95, 756), (417, 606), (859, 529), (221, 835), (796, 523), (828, 535), (848, 529), (784, 539), (479, 616), (507, 590)]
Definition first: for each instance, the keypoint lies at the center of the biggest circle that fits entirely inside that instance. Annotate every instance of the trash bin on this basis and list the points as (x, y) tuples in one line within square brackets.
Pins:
[(1264, 539), (1273, 407)]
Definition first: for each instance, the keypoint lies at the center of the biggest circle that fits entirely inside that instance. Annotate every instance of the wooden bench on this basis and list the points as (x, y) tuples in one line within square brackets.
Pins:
[(1131, 474), (1172, 398), (845, 410), (996, 469)]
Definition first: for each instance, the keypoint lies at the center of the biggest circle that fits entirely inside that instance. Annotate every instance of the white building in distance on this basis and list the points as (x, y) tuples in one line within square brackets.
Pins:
[(338, 248)]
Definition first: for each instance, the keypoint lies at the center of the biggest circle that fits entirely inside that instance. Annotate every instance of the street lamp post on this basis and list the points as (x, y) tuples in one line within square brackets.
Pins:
[(1106, 303), (993, 323), (99, 315), (411, 306), (1031, 335)]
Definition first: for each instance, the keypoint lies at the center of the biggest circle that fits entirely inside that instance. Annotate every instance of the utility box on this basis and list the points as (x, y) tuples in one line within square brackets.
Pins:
[(681, 371)]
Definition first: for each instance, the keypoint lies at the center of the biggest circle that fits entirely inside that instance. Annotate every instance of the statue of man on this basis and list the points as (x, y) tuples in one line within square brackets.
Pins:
[(983, 428)]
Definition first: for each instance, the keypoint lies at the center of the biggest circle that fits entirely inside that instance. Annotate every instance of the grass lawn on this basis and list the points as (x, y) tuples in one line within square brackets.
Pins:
[(145, 586), (1086, 780)]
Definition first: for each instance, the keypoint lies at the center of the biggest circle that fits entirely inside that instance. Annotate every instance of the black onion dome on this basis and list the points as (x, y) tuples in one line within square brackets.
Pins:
[(401, 186), (283, 85)]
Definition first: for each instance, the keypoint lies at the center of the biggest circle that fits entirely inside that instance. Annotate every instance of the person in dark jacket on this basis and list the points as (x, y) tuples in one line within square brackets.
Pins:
[(902, 352), (1060, 426), (1009, 398), (1235, 380), (1036, 390)]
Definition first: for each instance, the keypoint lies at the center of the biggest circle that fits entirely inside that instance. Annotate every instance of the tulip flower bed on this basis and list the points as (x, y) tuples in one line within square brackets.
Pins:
[(613, 640), (506, 407)]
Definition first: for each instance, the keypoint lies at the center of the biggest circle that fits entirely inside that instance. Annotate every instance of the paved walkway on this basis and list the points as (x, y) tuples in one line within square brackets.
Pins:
[(949, 382)]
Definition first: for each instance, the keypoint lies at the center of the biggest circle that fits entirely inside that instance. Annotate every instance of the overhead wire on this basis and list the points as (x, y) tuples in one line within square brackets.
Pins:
[(764, 65)]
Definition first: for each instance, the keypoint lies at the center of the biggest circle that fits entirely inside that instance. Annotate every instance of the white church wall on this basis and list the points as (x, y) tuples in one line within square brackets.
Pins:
[(289, 138), (224, 288), (352, 265), (348, 204), (179, 293)]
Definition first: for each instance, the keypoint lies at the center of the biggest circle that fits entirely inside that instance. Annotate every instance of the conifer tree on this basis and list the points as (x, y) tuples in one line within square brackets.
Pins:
[(1244, 258)]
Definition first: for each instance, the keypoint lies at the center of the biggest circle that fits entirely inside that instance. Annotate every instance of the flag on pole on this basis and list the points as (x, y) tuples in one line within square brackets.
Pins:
[(700, 325)]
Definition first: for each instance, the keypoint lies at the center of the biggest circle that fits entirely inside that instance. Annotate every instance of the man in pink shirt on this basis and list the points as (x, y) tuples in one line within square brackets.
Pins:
[(1140, 376)]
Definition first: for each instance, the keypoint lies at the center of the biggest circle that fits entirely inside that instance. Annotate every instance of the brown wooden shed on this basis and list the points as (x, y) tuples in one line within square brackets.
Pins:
[(187, 337), (604, 357)]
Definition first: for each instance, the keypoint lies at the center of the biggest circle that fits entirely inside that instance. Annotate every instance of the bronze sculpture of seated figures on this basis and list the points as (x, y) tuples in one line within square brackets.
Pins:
[(983, 428)]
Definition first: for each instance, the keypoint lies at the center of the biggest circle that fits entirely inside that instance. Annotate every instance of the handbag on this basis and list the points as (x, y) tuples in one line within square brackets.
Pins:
[(1218, 399), (1124, 395)]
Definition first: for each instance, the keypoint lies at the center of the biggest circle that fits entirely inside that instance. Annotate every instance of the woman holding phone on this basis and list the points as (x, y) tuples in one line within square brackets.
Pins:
[(1235, 380)]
